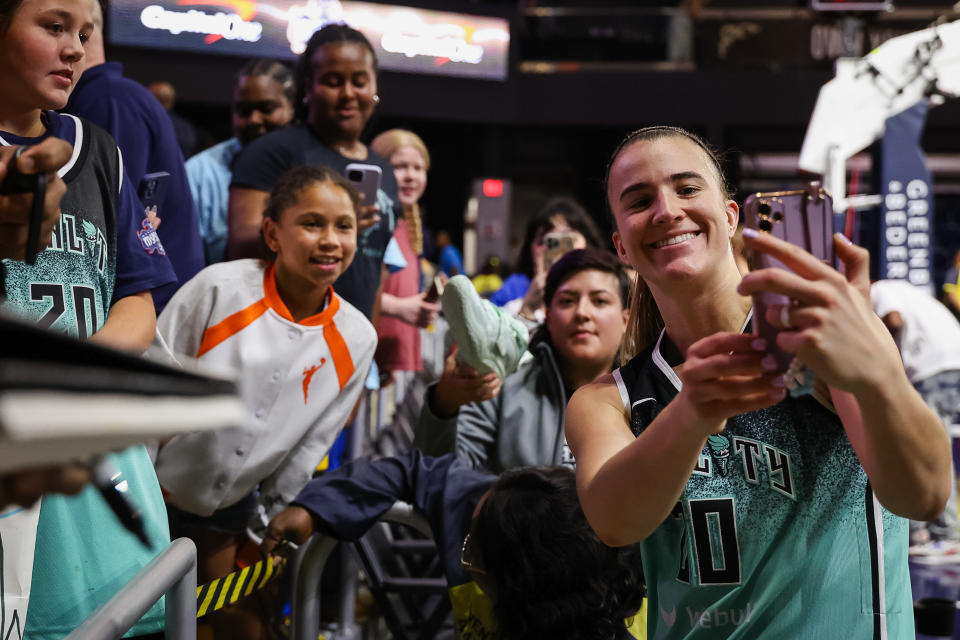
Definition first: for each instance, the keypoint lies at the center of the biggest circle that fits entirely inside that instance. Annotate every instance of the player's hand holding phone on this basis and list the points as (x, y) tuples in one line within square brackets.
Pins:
[(823, 317), (803, 218)]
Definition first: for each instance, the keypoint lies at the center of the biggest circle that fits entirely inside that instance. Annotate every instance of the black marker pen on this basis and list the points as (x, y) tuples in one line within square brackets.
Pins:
[(102, 473)]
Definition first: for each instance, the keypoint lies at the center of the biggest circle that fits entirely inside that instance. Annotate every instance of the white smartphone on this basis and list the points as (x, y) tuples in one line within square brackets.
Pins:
[(365, 179)]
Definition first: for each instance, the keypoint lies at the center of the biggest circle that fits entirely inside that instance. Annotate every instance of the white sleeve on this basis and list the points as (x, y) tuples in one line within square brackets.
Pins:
[(183, 321), (883, 298)]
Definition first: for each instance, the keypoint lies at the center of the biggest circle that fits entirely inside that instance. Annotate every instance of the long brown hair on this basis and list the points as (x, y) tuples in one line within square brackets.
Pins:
[(386, 144), (645, 322)]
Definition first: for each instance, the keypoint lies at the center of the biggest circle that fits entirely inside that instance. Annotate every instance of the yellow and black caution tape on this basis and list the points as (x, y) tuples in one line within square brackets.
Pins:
[(224, 591)]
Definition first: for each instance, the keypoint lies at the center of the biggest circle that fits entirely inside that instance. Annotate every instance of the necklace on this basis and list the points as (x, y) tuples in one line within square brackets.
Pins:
[(357, 152)]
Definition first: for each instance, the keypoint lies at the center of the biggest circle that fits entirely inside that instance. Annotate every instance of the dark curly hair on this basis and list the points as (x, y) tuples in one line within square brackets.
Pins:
[(576, 216), (286, 191), (330, 34), (553, 577), (273, 69)]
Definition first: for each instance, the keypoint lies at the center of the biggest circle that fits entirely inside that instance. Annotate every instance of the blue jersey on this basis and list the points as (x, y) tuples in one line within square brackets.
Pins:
[(777, 533), (145, 135)]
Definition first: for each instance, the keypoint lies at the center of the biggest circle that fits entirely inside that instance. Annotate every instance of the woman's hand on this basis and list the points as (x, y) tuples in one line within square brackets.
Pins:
[(831, 326), (294, 524), (417, 311), (369, 215), (533, 300), (724, 375), (460, 384)]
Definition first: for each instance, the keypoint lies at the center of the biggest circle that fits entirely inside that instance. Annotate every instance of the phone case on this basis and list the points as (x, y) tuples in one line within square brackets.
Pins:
[(557, 244), (366, 179), (153, 189), (435, 290), (802, 217)]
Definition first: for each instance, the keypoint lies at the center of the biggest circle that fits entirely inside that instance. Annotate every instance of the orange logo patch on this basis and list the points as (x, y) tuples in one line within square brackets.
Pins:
[(308, 375)]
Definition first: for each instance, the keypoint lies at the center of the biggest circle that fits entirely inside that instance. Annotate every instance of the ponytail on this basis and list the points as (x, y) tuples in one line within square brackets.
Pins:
[(644, 323)]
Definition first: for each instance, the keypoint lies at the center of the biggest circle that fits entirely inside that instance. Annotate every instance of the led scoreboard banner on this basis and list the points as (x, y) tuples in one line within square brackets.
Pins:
[(851, 5), (405, 39)]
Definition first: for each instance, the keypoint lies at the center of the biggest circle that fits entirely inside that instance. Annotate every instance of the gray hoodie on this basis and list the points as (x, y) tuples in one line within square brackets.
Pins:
[(521, 426)]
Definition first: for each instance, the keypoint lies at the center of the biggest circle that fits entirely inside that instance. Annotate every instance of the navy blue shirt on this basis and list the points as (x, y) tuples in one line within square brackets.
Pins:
[(263, 161), (145, 135)]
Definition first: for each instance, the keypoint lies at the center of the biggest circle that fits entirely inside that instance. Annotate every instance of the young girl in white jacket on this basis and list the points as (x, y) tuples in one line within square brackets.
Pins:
[(301, 353)]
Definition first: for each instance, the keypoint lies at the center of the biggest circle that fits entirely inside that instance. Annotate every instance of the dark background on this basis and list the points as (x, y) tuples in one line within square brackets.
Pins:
[(609, 70)]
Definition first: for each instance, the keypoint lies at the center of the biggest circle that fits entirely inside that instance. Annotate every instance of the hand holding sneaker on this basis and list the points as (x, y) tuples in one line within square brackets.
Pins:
[(460, 384), (489, 339)]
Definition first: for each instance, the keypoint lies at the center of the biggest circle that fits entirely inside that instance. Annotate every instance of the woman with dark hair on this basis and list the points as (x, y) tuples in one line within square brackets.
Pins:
[(522, 291), (586, 296), (532, 551), (336, 78), (759, 514), (520, 559)]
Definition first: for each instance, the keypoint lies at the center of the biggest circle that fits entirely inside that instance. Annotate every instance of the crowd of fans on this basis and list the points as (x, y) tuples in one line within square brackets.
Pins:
[(261, 256)]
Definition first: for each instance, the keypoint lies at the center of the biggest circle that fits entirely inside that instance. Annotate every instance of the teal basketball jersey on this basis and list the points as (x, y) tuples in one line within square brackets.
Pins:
[(777, 533), (70, 288)]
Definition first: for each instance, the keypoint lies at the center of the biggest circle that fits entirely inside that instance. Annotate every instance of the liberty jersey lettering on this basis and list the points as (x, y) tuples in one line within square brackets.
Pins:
[(775, 533), (70, 287)]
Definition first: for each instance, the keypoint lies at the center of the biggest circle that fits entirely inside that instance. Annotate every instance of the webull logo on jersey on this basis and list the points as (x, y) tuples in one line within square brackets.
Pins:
[(711, 618), (759, 461), (719, 618)]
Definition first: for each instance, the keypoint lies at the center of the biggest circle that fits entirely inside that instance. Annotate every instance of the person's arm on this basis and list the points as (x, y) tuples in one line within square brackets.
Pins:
[(413, 310), (244, 217), (470, 431), (460, 384), (26, 486), (349, 500), (45, 157), (130, 325), (628, 485), (897, 438), (132, 321)]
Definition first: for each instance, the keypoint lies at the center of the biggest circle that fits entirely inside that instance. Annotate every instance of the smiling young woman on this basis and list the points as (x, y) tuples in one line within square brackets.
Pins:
[(586, 296), (693, 449), (336, 79)]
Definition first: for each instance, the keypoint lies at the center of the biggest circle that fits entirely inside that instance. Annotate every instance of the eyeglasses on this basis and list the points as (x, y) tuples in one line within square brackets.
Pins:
[(467, 560)]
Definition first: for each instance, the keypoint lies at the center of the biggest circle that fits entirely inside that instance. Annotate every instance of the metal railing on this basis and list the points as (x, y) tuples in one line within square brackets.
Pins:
[(172, 573), (308, 567)]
